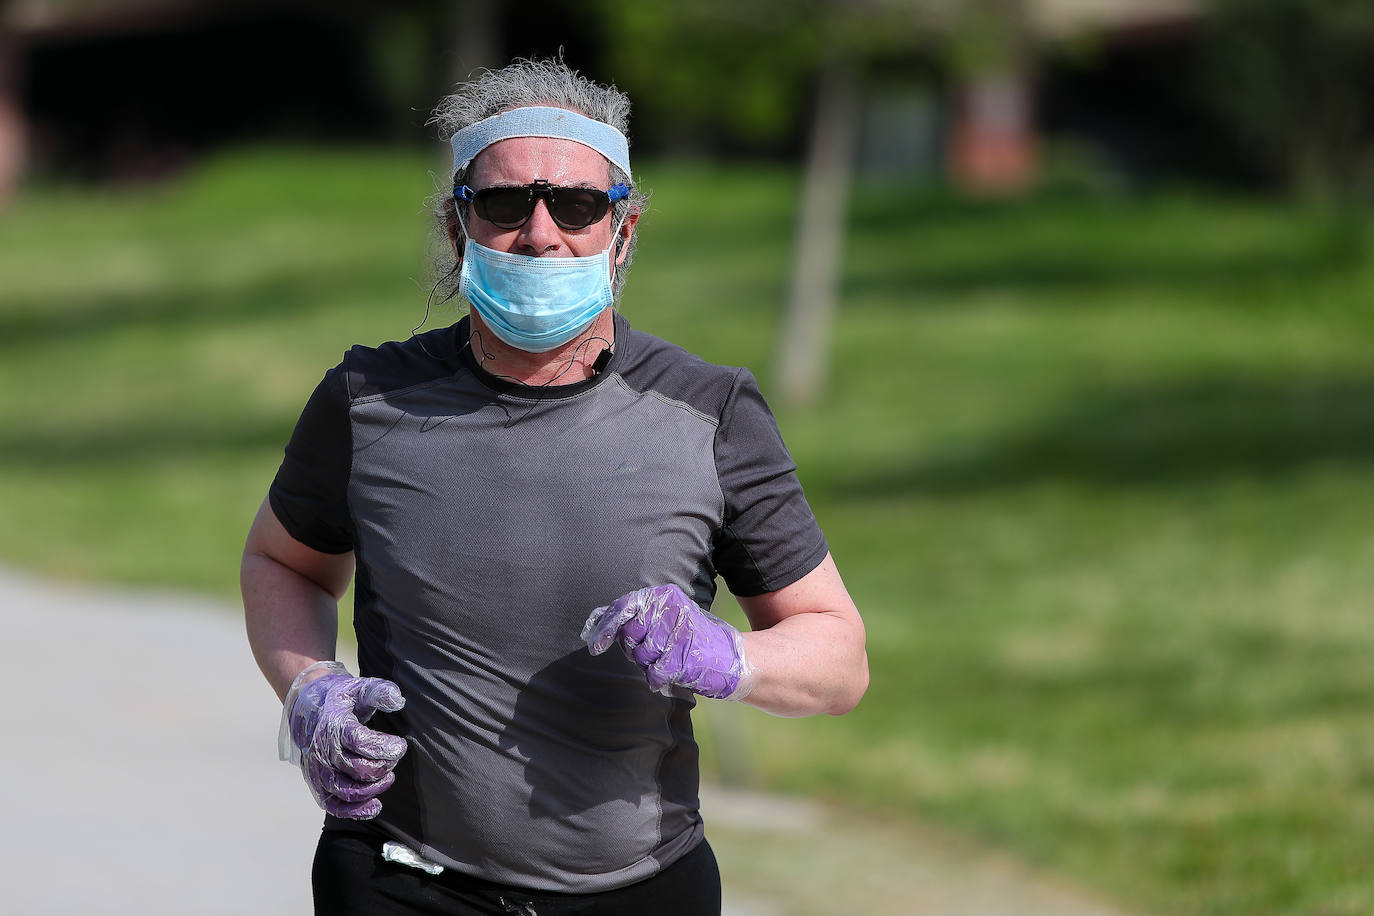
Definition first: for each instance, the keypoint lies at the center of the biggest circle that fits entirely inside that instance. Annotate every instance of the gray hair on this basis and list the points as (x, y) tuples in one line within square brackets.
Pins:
[(517, 85)]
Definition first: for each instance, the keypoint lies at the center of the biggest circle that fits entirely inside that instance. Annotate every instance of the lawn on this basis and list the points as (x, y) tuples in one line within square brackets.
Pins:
[(1096, 470)]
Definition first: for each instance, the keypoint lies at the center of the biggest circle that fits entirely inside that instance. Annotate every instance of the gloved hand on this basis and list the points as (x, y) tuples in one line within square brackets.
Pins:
[(345, 763), (674, 642)]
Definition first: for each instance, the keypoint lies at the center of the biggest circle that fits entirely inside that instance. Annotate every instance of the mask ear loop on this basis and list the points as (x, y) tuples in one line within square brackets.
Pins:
[(458, 212), (619, 243)]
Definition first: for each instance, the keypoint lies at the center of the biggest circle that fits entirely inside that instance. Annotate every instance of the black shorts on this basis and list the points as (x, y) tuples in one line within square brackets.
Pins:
[(351, 878)]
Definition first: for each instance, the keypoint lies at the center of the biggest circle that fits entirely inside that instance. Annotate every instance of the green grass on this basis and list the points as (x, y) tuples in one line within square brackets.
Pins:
[(1096, 471)]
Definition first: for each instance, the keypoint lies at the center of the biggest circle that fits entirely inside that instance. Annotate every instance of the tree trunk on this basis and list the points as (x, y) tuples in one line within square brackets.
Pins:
[(805, 342)]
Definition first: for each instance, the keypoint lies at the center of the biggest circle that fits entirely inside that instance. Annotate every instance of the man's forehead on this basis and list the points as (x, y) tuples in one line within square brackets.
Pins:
[(520, 160)]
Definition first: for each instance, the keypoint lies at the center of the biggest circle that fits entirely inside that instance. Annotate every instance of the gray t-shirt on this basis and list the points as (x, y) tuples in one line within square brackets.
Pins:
[(488, 519)]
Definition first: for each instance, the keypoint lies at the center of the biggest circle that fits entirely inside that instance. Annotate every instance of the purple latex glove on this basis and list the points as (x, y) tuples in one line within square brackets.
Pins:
[(674, 642), (345, 763)]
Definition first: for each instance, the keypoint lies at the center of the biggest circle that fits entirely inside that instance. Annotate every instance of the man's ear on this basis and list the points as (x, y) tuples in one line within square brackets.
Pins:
[(623, 237)]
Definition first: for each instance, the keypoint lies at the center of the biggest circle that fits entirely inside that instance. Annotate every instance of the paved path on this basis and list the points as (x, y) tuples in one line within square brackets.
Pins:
[(146, 778), (141, 779)]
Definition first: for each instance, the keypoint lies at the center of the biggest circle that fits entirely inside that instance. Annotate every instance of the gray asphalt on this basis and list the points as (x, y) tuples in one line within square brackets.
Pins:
[(142, 770)]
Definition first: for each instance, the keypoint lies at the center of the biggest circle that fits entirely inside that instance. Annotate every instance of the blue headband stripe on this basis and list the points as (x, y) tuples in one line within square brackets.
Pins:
[(540, 121)]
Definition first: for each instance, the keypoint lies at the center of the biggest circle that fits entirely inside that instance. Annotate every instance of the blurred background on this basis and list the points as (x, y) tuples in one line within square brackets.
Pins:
[(1064, 306)]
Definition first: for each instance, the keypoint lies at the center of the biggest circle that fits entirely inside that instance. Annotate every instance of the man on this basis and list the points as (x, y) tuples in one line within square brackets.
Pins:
[(517, 494)]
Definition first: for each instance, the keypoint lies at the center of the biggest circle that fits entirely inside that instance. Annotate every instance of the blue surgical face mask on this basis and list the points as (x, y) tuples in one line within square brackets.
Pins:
[(535, 304)]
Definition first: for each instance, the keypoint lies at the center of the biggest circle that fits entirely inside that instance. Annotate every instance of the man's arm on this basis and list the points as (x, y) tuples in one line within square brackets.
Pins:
[(807, 646), (290, 599)]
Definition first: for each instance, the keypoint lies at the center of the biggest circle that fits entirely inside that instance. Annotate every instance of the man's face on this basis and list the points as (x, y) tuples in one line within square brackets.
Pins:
[(522, 160)]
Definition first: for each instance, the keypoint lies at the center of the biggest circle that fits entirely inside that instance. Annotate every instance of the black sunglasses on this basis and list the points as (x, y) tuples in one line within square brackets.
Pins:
[(571, 208)]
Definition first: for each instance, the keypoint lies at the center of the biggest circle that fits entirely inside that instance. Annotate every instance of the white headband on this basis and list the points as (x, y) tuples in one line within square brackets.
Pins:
[(540, 121)]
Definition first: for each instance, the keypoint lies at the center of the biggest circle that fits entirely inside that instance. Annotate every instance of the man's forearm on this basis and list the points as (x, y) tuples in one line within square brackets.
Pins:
[(808, 664), (291, 620)]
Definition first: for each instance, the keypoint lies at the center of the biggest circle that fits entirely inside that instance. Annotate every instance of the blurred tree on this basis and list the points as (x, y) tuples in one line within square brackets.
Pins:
[(989, 51), (714, 72), (719, 69), (1294, 79)]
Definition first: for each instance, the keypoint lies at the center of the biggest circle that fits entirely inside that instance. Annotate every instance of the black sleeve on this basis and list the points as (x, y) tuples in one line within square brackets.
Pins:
[(309, 494), (770, 537)]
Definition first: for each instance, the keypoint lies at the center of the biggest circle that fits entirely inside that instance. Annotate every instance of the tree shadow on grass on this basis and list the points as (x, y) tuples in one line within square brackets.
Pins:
[(1169, 433), (1047, 245), (25, 324), (141, 440), (1043, 272)]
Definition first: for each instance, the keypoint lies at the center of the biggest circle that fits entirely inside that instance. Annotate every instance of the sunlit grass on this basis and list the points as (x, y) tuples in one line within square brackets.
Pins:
[(1096, 472)]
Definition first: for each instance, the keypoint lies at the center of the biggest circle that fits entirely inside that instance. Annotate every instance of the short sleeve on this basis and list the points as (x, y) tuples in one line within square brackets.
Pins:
[(770, 537), (310, 492)]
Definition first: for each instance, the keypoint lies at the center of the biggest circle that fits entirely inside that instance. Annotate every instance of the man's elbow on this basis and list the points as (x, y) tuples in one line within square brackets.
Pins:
[(855, 686)]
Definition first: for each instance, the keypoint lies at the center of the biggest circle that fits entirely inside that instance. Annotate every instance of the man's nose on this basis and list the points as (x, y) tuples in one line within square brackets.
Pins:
[(540, 235)]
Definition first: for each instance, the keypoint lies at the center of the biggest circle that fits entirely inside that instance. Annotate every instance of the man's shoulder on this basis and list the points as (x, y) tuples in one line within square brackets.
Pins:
[(398, 364), (654, 364)]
